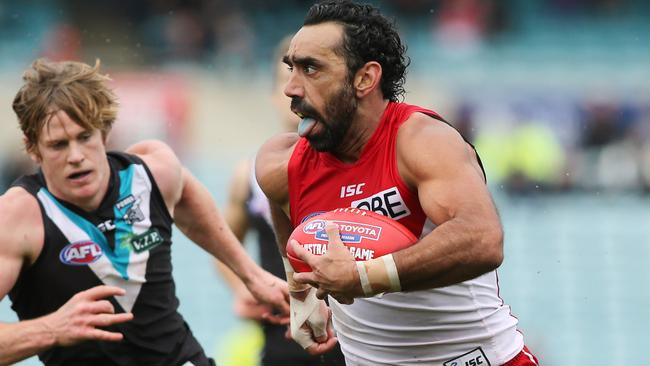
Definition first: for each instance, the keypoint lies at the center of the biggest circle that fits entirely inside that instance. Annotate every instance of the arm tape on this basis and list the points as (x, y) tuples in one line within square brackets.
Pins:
[(379, 275)]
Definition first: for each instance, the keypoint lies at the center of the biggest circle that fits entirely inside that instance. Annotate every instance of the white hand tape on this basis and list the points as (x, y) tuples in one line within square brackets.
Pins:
[(301, 311)]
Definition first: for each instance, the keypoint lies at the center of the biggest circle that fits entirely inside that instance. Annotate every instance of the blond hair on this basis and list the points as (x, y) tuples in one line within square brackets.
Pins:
[(75, 88)]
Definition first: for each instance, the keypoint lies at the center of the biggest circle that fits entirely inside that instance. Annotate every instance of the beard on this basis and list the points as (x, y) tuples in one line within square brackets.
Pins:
[(336, 121)]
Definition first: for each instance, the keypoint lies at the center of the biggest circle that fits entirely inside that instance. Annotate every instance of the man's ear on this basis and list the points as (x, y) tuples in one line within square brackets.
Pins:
[(32, 150), (367, 78)]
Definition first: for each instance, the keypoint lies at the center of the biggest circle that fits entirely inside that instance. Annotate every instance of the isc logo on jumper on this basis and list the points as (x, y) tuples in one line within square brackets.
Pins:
[(475, 357), (351, 232), (80, 253), (352, 190)]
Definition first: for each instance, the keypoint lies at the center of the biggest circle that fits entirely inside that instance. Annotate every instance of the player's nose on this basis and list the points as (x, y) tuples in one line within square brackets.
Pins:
[(75, 154), (294, 87)]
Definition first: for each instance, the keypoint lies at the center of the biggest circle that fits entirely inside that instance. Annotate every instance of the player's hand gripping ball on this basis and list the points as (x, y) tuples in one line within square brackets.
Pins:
[(366, 234)]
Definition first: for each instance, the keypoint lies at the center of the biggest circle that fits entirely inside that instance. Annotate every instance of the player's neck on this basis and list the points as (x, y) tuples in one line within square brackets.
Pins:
[(363, 126)]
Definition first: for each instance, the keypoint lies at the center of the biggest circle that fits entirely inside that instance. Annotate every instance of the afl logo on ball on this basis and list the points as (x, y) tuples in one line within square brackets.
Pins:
[(80, 253), (314, 227)]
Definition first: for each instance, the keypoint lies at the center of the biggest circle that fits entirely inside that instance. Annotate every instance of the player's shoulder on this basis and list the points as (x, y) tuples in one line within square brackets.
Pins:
[(422, 127), (153, 153), (164, 165), (271, 163), (280, 144), (275, 153), (159, 158), (16, 206), (21, 221), (429, 134), (426, 144)]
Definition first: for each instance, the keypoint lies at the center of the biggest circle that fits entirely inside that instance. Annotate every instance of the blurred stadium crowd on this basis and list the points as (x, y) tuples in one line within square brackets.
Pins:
[(552, 92)]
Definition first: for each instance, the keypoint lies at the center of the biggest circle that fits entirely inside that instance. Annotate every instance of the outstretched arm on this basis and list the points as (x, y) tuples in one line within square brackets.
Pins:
[(236, 216), (198, 217)]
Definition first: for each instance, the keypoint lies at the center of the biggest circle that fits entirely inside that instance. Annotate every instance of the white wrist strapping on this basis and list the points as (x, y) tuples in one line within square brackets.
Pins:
[(304, 311), (393, 276), (288, 270), (379, 275), (363, 277), (287, 265)]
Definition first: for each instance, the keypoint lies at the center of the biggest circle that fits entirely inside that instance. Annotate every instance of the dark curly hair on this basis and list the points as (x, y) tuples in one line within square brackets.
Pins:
[(367, 36)]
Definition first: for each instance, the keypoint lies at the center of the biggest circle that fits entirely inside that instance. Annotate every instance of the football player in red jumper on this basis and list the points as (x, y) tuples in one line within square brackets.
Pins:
[(434, 303)]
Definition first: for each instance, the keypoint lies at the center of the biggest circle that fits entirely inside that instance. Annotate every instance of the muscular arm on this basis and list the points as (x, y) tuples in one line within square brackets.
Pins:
[(21, 240), (23, 339), (197, 216), (435, 162), (468, 239)]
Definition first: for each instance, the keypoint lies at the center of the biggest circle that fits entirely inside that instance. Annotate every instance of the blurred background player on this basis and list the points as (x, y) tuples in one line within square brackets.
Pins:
[(247, 211), (86, 241)]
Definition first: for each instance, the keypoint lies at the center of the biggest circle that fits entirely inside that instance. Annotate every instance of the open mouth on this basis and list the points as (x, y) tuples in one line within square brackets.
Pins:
[(306, 123), (305, 126), (79, 174), (303, 114)]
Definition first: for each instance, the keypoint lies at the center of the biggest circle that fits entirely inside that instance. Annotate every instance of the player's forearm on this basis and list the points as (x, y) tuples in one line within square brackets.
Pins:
[(454, 252), (197, 216), (24, 339), (233, 282)]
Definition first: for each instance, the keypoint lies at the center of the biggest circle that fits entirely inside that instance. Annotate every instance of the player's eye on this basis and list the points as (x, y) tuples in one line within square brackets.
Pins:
[(309, 69), (59, 145)]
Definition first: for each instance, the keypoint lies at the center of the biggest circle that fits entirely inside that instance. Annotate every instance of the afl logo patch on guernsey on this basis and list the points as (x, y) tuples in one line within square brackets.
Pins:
[(80, 253)]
